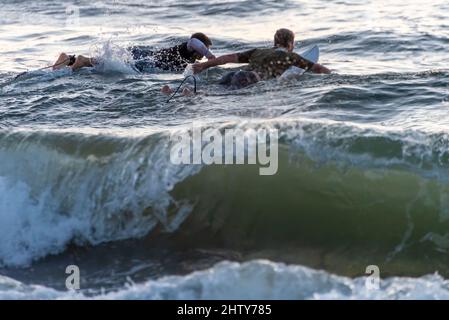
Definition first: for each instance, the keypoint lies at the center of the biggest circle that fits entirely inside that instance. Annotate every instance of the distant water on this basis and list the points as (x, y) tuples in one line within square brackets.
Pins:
[(363, 179)]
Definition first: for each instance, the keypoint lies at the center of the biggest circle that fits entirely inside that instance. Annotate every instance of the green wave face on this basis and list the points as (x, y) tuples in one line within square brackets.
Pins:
[(331, 204), (323, 216)]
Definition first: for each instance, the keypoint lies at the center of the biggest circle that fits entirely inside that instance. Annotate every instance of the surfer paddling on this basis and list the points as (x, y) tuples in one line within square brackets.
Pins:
[(171, 59), (265, 63), (268, 62)]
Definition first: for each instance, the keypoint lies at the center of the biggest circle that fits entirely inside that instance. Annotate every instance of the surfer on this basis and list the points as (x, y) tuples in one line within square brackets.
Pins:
[(268, 62), (172, 59), (263, 64)]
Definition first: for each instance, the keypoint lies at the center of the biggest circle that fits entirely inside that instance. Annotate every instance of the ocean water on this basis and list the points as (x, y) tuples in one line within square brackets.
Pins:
[(86, 177)]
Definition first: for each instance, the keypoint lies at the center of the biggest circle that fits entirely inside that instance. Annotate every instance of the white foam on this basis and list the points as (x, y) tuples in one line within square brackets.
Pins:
[(112, 58), (57, 198), (28, 229), (257, 279)]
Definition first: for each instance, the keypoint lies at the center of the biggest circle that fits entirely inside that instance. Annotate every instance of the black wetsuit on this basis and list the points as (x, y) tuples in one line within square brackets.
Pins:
[(174, 59)]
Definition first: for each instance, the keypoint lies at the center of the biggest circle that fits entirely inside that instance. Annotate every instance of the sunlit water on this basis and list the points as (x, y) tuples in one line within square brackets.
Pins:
[(363, 178)]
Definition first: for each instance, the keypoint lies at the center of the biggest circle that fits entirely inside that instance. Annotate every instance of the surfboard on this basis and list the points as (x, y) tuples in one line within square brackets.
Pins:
[(313, 54), (293, 73)]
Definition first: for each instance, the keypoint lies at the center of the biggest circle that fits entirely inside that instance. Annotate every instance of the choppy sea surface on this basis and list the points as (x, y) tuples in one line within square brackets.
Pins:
[(86, 180)]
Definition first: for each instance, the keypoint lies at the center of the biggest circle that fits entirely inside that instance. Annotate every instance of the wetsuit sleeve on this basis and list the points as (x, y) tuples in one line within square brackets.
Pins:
[(199, 47), (243, 57)]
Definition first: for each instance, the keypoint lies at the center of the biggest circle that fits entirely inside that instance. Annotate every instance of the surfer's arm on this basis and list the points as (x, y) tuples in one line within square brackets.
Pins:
[(305, 64), (318, 68), (228, 58)]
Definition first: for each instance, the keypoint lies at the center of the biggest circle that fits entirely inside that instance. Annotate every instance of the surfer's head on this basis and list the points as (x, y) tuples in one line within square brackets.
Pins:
[(204, 39), (284, 38), (242, 79), (239, 79)]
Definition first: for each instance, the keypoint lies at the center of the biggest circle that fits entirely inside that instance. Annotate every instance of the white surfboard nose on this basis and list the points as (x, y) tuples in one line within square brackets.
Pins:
[(313, 54)]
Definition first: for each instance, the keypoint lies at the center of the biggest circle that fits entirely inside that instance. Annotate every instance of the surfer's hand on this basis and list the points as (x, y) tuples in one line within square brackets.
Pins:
[(197, 68)]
